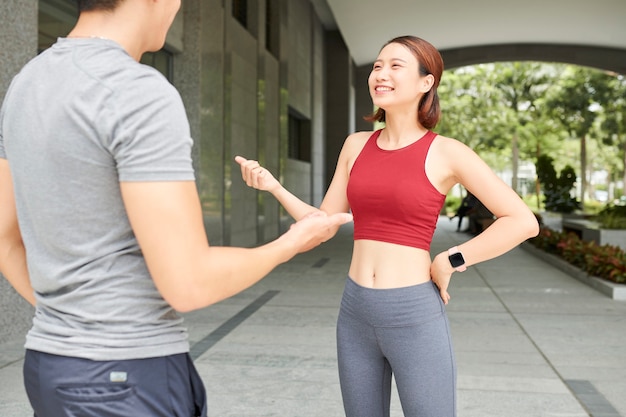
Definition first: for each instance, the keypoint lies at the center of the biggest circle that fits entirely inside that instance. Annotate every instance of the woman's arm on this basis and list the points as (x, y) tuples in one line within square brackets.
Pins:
[(335, 199), (12, 252), (260, 178), (514, 223)]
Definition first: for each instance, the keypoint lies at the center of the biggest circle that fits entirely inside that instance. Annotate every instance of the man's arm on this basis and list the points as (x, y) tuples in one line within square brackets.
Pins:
[(167, 220), (12, 252)]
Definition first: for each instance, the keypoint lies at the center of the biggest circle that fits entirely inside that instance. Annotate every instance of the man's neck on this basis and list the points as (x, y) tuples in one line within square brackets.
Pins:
[(114, 26)]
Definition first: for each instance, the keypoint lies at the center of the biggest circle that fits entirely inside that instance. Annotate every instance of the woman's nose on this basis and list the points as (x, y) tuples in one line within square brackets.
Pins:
[(382, 74)]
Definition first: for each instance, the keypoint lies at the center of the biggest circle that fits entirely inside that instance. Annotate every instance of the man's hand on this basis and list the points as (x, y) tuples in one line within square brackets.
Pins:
[(314, 229)]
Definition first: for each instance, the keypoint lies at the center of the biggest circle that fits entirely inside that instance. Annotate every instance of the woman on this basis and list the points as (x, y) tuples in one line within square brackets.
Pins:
[(394, 180)]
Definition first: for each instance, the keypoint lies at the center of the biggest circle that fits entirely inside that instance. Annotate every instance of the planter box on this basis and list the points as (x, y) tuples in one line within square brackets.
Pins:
[(611, 237), (613, 290), (590, 231)]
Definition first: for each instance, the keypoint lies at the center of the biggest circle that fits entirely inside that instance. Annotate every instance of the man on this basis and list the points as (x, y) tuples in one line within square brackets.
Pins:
[(101, 226)]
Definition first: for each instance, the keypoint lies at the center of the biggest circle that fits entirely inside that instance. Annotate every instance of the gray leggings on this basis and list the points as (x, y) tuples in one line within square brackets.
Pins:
[(403, 331)]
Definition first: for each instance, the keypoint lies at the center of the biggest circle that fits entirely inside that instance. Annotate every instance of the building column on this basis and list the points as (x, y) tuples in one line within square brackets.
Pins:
[(18, 37), (338, 99)]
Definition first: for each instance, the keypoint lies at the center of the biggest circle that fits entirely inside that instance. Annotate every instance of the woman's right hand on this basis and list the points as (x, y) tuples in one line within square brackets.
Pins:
[(441, 272), (256, 176)]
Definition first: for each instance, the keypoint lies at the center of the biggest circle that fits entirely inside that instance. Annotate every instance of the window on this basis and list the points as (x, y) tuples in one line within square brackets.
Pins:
[(247, 14), (240, 12), (299, 137), (272, 27)]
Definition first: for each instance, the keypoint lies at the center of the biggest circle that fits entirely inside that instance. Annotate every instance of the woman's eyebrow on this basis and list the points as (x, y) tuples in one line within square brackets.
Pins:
[(392, 59)]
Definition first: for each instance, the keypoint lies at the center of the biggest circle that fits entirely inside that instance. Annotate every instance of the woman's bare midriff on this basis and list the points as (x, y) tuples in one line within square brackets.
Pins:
[(386, 265)]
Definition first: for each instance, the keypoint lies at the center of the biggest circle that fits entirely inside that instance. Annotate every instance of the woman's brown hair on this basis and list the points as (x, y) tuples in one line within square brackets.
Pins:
[(430, 62)]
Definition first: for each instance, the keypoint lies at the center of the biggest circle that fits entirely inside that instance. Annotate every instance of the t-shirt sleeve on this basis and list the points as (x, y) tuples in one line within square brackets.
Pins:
[(151, 138)]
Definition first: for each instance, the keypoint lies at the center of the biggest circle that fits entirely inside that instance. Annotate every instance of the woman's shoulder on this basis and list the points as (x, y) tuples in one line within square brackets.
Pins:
[(443, 139), (355, 142), (455, 154), (451, 152), (448, 144), (360, 138), (363, 135), (353, 145)]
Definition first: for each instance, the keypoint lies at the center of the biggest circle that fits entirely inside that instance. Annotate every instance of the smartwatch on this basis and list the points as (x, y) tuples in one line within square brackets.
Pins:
[(456, 259)]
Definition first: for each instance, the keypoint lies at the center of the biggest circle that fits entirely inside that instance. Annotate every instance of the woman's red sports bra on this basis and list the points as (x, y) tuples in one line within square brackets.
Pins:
[(391, 198)]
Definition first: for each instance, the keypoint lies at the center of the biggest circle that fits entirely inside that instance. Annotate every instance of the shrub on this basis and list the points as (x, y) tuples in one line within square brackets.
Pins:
[(603, 261), (612, 217), (556, 188)]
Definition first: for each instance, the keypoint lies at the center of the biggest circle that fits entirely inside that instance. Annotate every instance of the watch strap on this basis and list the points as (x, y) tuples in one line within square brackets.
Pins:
[(453, 251)]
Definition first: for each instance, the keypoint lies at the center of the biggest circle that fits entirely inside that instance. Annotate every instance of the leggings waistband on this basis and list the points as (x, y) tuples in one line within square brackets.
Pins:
[(403, 306)]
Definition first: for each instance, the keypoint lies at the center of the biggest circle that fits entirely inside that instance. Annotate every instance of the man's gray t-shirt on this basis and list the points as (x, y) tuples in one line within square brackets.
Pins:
[(77, 120)]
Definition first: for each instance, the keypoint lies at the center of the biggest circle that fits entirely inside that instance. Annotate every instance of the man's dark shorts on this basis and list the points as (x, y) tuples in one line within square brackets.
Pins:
[(60, 386)]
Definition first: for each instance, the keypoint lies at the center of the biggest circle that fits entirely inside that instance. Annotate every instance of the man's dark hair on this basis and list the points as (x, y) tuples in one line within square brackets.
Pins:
[(90, 5)]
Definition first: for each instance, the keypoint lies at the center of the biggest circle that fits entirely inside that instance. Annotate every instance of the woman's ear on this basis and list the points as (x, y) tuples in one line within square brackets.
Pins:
[(426, 83)]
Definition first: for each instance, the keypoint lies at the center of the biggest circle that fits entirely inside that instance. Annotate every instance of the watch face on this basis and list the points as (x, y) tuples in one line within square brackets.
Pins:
[(456, 259)]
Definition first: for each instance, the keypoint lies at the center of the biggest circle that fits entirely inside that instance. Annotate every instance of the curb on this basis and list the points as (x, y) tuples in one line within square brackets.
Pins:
[(613, 290)]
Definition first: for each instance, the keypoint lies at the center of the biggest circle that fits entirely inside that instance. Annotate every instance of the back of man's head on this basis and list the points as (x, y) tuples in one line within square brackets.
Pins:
[(90, 5)]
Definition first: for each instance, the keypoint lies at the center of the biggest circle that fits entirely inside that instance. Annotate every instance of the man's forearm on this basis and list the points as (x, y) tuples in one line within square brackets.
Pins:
[(13, 268)]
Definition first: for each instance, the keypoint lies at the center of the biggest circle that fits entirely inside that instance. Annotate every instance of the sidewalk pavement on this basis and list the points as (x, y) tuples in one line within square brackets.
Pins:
[(530, 341)]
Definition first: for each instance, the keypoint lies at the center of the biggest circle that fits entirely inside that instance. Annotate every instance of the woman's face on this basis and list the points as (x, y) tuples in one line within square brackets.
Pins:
[(395, 79)]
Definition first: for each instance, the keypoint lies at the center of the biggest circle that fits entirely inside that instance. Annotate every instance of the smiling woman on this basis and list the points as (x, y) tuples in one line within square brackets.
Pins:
[(392, 318)]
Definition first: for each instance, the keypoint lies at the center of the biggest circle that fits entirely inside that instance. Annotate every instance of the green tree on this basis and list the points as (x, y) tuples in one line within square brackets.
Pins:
[(464, 104), (522, 86), (514, 111), (470, 115), (612, 129), (576, 105)]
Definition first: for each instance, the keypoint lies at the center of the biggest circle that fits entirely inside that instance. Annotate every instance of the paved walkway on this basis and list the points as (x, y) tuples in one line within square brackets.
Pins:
[(530, 341)]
